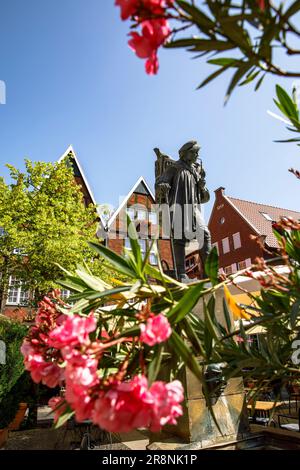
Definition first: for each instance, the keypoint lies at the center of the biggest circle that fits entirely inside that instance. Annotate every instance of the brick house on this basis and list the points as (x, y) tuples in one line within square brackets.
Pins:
[(233, 221), (16, 304), (140, 206)]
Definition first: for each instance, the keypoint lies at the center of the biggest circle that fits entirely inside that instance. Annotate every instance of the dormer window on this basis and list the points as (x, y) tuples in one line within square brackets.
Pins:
[(267, 216)]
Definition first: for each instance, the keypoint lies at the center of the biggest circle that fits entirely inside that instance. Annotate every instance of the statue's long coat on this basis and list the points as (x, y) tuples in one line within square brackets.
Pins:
[(184, 198)]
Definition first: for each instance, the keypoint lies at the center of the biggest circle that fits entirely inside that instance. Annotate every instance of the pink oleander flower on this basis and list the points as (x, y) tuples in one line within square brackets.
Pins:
[(58, 405), (128, 8), (157, 7), (142, 7), (145, 45), (156, 330), (73, 331), (166, 406), (131, 405), (125, 406), (81, 377), (49, 373)]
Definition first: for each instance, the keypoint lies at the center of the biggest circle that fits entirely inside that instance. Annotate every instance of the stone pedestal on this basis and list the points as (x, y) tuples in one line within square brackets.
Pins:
[(197, 425), (196, 428)]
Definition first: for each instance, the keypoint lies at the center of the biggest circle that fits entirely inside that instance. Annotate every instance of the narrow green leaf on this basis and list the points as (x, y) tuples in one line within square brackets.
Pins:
[(225, 61), (259, 82), (287, 103), (135, 247), (236, 78), (120, 263), (183, 351), (186, 303), (154, 366), (295, 313), (92, 295), (64, 418), (250, 78), (72, 283), (294, 8), (212, 77), (198, 17), (212, 266), (227, 316)]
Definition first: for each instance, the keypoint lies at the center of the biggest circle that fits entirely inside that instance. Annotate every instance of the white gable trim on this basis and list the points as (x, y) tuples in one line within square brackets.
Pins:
[(123, 203), (70, 149)]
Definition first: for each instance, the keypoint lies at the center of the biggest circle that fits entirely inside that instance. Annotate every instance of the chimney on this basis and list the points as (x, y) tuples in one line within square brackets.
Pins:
[(220, 192)]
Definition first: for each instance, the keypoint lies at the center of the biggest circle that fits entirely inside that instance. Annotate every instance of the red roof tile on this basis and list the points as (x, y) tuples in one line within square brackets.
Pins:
[(253, 213)]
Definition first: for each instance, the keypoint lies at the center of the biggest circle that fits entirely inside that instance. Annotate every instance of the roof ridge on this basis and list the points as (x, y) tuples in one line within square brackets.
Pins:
[(262, 204)]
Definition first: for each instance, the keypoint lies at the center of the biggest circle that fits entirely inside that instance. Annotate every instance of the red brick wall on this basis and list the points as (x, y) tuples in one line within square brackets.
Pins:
[(164, 248), (116, 245), (117, 233), (233, 223)]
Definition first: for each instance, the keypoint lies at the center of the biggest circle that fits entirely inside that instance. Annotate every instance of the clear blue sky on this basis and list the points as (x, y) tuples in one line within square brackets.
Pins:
[(71, 79)]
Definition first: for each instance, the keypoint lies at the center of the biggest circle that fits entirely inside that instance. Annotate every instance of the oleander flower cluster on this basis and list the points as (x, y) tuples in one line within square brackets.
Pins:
[(67, 350), (152, 18)]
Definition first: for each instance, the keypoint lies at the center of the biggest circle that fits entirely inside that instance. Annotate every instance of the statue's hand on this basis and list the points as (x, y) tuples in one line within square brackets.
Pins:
[(164, 188), (201, 184)]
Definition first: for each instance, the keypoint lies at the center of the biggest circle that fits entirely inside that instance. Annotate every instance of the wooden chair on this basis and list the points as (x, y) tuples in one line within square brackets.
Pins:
[(288, 425)]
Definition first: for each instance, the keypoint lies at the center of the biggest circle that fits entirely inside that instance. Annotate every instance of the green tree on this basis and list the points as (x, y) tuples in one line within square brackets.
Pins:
[(43, 223)]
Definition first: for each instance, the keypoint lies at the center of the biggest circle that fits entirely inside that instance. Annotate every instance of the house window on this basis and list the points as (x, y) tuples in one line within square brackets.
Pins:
[(142, 244), (130, 213), (233, 268), (222, 220), (241, 265), (236, 240), (18, 251), (225, 245), (267, 216), (64, 294), (216, 244), (16, 294), (153, 218), (141, 214), (127, 244), (228, 270), (153, 259)]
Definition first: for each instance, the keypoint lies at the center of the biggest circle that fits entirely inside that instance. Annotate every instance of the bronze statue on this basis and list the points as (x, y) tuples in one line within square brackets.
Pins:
[(181, 184)]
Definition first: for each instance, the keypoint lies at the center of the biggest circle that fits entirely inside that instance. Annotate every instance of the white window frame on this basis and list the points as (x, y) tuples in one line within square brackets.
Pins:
[(236, 237), (143, 245), (64, 294), (234, 268), (153, 215), (228, 270), (225, 241), (242, 265), (130, 212), (127, 244), (216, 244), (20, 296), (142, 215), (267, 216)]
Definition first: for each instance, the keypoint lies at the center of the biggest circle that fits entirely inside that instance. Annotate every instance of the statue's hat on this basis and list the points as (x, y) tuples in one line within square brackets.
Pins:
[(191, 144)]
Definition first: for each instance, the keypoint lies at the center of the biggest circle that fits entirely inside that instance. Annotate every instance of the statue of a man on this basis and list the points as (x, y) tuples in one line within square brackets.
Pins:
[(182, 185)]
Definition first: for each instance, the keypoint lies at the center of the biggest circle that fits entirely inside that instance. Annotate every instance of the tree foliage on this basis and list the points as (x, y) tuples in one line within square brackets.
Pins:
[(44, 224)]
